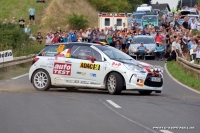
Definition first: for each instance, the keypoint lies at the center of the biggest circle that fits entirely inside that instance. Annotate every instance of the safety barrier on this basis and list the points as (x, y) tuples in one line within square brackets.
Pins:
[(190, 66), (17, 60)]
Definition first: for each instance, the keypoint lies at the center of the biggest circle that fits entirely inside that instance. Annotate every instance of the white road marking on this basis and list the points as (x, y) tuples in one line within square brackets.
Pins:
[(20, 76), (113, 104), (179, 82), (165, 131), (149, 129)]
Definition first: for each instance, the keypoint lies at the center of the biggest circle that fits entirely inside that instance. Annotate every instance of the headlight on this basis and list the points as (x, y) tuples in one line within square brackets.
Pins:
[(134, 68)]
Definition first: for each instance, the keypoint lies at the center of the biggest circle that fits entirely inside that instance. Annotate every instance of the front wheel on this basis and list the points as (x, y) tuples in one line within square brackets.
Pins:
[(41, 80), (114, 83), (145, 92)]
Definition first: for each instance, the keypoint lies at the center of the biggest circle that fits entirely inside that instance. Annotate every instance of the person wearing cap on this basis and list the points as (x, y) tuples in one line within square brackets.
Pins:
[(141, 51)]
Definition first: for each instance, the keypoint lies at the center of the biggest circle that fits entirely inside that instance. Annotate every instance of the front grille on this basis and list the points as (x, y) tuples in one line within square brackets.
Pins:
[(149, 83)]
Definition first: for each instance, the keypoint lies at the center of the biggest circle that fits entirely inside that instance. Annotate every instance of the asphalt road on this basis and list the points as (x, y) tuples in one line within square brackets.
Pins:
[(25, 110)]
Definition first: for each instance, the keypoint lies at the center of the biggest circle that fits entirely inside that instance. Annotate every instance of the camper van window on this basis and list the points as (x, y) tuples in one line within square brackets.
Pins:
[(119, 22), (107, 22)]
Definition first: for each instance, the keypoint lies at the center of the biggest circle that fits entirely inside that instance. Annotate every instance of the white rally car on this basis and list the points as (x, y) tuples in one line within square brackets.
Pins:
[(88, 65)]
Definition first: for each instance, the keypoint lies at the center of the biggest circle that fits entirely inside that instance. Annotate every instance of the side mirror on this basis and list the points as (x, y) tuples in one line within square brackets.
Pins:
[(91, 58)]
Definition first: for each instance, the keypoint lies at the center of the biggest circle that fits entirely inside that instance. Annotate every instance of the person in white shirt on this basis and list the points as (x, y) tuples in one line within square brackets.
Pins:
[(193, 25), (85, 36), (176, 50), (197, 50)]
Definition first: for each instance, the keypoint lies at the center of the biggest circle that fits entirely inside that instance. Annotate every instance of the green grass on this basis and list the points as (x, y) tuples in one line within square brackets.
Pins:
[(13, 71), (183, 75), (17, 8)]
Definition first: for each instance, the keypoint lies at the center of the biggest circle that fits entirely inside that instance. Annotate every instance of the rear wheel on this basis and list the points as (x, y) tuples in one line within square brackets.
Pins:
[(145, 92), (41, 80), (114, 83)]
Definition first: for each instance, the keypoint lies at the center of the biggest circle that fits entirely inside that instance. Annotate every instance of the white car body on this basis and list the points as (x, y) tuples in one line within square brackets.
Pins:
[(73, 72)]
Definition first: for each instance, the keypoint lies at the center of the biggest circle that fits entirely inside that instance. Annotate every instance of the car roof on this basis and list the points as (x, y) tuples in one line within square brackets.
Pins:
[(73, 43), (143, 36)]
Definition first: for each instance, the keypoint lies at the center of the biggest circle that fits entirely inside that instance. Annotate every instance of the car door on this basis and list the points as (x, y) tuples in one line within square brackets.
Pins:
[(84, 70)]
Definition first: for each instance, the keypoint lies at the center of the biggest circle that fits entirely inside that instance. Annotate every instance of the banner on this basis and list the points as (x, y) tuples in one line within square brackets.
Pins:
[(6, 56)]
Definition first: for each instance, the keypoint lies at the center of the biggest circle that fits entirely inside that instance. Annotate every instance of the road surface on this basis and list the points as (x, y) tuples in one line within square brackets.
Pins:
[(25, 110)]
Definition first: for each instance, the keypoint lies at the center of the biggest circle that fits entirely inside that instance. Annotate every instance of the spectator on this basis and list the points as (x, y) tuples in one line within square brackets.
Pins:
[(13, 21), (88, 33), (176, 50), (58, 30), (141, 51), (5, 21), (60, 38), (194, 46), (32, 37), (55, 38), (197, 50), (193, 25), (21, 22), (66, 38), (72, 36), (102, 36), (32, 15), (94, 39), (48, 38), (109, 39), (39, 38), (118, 45), (158, 53), (84, 36), (27, 29)]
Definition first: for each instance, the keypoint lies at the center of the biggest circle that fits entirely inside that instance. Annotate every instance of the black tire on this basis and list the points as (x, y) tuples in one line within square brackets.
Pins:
[(46, 78), (145, 92), (117, 85)]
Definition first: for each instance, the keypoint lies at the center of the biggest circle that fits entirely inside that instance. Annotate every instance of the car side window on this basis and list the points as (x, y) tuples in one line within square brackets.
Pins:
[(97, 55), (81, 52)]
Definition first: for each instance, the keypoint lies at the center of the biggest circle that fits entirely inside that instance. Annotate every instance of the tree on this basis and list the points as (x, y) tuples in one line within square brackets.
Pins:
[(146, 1), (178, 5)]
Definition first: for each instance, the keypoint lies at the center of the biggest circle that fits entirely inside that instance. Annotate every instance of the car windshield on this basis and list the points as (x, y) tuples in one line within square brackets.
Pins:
[(145, 40), (137, 16), (113, 53), (150, 19)]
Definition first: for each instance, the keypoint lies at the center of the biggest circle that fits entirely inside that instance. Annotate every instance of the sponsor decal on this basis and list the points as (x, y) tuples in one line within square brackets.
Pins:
[(84, 82), (43, 66), (58, 79), (49, 65), (6, 56), (93, 75), (72, 81), (90, 66), (62, 68), (60, 48), (82, 73), (51, 59), (116, 64), (94, 83)]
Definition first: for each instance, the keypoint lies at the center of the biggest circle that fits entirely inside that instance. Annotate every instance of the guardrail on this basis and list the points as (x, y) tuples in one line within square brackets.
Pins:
[(190, 66), (17, 60)]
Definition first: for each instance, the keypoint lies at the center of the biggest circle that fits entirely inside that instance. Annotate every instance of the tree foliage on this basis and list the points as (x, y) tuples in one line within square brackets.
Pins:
[(77, 21), (117, 5), (178, 5), (12, 37)]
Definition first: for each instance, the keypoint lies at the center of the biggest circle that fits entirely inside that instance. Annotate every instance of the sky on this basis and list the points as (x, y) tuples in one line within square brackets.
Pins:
[(172, 3)]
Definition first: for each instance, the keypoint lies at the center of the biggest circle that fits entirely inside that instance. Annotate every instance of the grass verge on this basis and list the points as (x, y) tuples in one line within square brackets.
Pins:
[(13, 71), (183, 75)]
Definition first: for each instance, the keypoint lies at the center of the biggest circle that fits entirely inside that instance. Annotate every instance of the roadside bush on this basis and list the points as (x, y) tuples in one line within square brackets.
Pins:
[(12, 36), (76, 21)]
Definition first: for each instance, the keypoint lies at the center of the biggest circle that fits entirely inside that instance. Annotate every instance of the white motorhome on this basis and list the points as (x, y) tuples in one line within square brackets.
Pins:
[(144, 7)]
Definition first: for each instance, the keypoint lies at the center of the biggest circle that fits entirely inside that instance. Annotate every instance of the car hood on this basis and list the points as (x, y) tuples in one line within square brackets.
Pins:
[(134, 62)]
